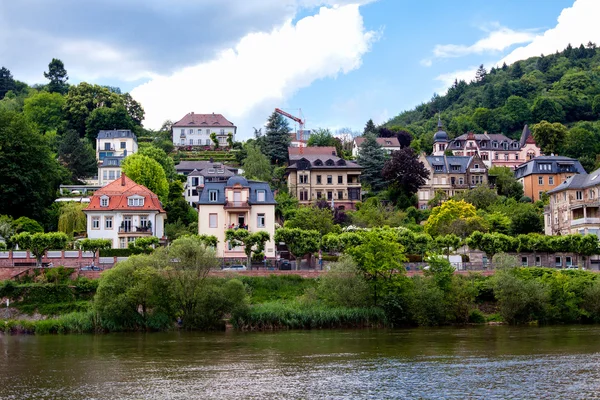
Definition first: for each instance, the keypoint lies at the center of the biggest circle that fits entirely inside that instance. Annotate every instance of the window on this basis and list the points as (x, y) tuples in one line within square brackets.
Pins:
[(108, 222), (104, 202), (304, 195), (461, 181), (260, 220), (550, 180), (135, 201), (439, 168), (318, 179), (95, 222), (194, 181), (592, 193), (340, 194), (143, 221), (212, 220), (199, 131), (540, 194), (123, 243), (183, 132), (558, 261), (222, 131), (260, 195), (329, 179), (476, 165), (105, 174), (540, 180), (340, 179), (207, 142), (329, 195), (303, 178), (579, 195), (318, 195), (568, 261), (106, 146), (524, 261), (111, 175), (538, 261), (208, 131), (212, 195)]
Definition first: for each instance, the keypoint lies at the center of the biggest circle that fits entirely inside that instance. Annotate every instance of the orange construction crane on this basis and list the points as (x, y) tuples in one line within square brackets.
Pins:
[(300, 124)]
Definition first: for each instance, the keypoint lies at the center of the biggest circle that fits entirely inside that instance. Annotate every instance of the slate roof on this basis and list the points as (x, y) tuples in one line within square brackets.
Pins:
[(448, 161), (393, 141), (118, 191), (111, 162), (220, 188), (116, 133), (558, 164), (211, 172), (320, 162), (579, 181), (203, 120)]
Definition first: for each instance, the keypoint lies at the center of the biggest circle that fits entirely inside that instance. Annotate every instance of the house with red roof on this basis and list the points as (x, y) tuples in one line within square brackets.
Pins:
[(123, 211), (195, 130)]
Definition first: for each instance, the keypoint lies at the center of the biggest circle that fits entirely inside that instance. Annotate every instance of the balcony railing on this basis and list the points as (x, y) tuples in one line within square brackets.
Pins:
[(236, 204), (135, 229), (584, 221)]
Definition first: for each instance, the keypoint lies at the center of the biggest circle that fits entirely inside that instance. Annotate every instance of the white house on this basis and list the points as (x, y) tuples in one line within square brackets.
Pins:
[(388, 144), (215, 172), (112, 146), (195, 130), (123, 211), (237, 204)]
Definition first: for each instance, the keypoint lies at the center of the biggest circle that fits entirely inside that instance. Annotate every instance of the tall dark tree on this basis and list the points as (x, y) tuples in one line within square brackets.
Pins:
[(405, 171), (372, 158), (480, 74), (516, 70), (107, 118), (29, 174), (277, 139), (370, 127), (6, 82), (57, 74), (77, 156)]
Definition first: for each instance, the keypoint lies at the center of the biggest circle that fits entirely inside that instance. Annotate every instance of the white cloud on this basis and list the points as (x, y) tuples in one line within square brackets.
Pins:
[(448, 78), (498, 39), (576, 25), (246, 82), (426, 62)]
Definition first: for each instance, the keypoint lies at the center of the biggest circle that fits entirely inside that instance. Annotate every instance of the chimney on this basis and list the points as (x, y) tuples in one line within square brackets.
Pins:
[(123, 179)]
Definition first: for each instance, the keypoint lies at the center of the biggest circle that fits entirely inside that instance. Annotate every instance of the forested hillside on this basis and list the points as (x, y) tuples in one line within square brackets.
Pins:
[(559, 88)]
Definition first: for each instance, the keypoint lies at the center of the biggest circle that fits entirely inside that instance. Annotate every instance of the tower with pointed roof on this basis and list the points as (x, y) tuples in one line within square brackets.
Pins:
[(440, 140)]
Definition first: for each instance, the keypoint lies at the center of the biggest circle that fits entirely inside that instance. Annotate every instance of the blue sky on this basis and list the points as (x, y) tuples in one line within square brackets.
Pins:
[(342, 62)]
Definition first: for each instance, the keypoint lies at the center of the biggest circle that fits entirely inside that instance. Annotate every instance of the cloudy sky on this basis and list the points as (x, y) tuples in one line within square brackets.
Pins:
[(340, 62)]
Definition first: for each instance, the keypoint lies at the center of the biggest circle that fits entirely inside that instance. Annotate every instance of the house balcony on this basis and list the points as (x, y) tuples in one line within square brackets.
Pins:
[(585, 221), (236, 205), (353, 184), (135, 231), (477, 170)]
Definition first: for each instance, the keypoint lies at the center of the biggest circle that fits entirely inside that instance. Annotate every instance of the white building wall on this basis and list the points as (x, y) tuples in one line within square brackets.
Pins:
[(157, 220), (115, 144), (200, 136)]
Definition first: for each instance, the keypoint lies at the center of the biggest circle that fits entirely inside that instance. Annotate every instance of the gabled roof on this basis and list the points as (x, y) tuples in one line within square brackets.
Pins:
[(383, 142), (558, 164), (116, 133), (294, 152), (321, 162), (579, 181), (203, 120), (118, 191), (526, 136), (446, 162)]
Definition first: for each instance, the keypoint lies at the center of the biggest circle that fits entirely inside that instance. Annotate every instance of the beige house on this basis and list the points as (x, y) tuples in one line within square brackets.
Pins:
[(451, 174), (574, 206), (236, 204), (387, 144), (317, 173)]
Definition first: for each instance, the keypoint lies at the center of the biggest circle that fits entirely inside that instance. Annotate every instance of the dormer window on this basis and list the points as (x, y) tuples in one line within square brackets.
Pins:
[(135, 201), (212, 195), (260, 195), (104, 201)]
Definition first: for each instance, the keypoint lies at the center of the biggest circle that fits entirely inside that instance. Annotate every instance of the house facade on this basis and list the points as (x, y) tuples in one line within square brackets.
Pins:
[(115, 143), (123, 211), (574, 206), (494, 149), (388, 145), (318, 173), (195, 130), (544, 173), (236, 204), (196, 180), (451, 174)]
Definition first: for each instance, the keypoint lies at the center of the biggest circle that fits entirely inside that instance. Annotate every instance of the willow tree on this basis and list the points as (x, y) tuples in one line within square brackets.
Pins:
[(72, 218)]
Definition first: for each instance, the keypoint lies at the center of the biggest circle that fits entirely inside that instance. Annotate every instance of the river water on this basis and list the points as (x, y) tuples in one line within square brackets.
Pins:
[(487, 362)]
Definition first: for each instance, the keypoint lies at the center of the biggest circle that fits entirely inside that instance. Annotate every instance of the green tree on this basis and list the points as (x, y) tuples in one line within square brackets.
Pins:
[(57, 75), (215, 140), (277, 139), (163, 159), (83, 99), (517, 109), (39, 243), (254, 243), (580, 142), (447, 213), (547, 109), (134, 109), (506, 183), (256, 165), (482, 197), (405, 171), (286, 205), (144, 244), (78, 156), (147, 172), (95, 245), (321, 137), (29, 173), (115, 117), (549, 136), (343, 285), (372, 158), (369, 128), (45, 110), (72, 218), (7, 82), (24, 224), (307, 218), (300, 242)]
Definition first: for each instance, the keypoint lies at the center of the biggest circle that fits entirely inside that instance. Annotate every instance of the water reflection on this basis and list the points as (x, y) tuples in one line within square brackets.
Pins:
[(480, 362)]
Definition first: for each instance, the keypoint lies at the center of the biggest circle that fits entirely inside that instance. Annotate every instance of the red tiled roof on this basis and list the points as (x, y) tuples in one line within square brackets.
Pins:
[(118, 191), (209, 120), (381, 141), (313, 150)]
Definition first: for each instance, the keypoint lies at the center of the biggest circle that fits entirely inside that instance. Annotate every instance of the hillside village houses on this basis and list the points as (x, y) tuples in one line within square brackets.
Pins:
[(236, 204), (574, 206), (387, 144), (112, 146), (123, 211), (205, 172), (494, 149), (195, 130), (545, 173), (315, 173), (450, 174)]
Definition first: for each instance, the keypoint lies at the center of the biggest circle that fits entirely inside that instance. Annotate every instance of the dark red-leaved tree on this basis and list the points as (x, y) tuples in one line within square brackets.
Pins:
[(405, 171)]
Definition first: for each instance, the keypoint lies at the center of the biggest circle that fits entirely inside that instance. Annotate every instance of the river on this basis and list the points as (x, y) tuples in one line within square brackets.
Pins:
[(484, 362)]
